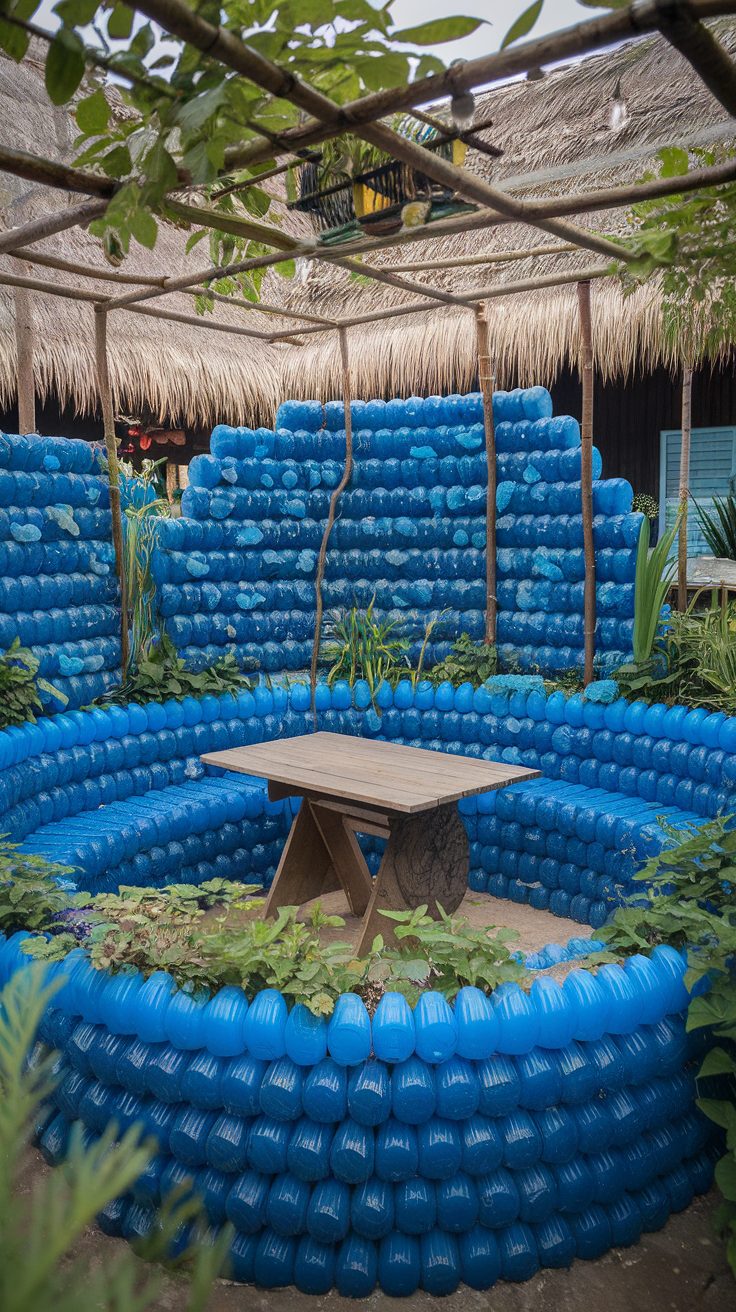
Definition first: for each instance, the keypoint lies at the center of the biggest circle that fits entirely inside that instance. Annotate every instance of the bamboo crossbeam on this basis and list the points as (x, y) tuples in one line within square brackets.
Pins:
[(149, 280), (569, 43), (56, 175), (483, 257), (50, 224), (196, 321), (497, 291), (399, 311)]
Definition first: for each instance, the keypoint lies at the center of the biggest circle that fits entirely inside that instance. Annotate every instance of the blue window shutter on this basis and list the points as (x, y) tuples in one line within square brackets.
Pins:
[(712, 464)]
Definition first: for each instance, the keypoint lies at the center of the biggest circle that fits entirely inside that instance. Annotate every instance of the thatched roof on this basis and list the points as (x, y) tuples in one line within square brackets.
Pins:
[(177, 372), (547, 128)]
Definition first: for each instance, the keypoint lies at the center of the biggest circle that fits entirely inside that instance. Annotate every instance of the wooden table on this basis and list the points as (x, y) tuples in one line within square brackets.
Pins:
[(358, 785)]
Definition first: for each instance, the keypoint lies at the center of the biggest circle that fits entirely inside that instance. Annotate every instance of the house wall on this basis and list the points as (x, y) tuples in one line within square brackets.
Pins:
[(628, 417)]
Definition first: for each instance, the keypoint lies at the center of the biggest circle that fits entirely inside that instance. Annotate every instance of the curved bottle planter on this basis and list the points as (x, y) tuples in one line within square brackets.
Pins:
[(412, 1149), (472, 1142)]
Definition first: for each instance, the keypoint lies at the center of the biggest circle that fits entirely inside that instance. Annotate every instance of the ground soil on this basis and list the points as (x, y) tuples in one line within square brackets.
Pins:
[(535, 928), (681, 1268)]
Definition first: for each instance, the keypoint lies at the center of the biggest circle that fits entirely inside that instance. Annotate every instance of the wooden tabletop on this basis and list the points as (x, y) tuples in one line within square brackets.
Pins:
[(388, 776)]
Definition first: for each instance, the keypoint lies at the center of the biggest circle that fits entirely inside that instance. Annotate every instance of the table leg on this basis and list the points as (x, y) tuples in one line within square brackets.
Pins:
[(321, 854), (347, 859), (305, 869), (426, 860)]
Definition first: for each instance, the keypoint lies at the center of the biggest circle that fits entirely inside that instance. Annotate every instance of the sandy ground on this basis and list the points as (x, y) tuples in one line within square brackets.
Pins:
[(681, 1268), (535, 928)]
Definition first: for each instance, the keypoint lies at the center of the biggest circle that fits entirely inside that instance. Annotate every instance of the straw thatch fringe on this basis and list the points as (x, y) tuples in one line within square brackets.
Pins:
[(532, 336), (169, 371)]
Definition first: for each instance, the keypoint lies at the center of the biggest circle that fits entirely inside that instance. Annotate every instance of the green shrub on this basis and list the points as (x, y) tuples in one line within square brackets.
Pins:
[(212, 935), (719, 526), (360, 646), (467, 662), (690, 903), (20, 685), (161, 673), (653, 579), (30, 896)]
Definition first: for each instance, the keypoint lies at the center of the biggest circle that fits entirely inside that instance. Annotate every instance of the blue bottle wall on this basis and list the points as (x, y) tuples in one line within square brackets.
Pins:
[(238, 567), (58, 589)]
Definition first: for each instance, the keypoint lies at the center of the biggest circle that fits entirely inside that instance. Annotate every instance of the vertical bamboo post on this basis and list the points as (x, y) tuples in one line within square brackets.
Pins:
[(586, 478), (486, 381), (24, 352), (331, 514), (108, 423), (687, 395)]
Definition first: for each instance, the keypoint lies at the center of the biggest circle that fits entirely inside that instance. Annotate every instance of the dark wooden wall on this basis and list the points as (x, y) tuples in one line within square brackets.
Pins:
[(629, 417)]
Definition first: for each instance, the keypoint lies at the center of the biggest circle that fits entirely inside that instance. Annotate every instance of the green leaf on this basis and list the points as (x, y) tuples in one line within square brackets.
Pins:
[(76, 13), (523, 25), (120, 22), (726, 1177), (144, 228), (717, 1062), (675, 161), (64, 66), (93, 113), (438, 30)]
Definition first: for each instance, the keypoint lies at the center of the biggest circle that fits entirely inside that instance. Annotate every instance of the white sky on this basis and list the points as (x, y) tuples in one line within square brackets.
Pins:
[(409, 13), (499, 16)]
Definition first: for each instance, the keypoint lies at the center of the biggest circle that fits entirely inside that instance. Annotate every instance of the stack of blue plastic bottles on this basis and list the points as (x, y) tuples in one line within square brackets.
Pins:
[(58, 588), (417, 1148), (238, 568)]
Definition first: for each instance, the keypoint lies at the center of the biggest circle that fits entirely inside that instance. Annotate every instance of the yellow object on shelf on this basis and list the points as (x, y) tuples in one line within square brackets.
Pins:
[(368, 201)]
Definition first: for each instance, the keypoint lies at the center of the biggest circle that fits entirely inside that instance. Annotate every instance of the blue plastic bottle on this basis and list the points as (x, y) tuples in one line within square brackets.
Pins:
[(399, 1265), (325, 1092), (349, 1031), (393, 1029), (265, 1025), (369, 1093)]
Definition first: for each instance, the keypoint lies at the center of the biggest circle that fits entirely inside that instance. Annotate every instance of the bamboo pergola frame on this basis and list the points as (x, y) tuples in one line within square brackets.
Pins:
[(681, 22)]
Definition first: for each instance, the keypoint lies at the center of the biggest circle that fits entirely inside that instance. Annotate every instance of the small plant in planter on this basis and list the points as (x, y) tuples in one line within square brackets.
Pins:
[(20, 686), (469, 661), (445, 954), (32, 895)]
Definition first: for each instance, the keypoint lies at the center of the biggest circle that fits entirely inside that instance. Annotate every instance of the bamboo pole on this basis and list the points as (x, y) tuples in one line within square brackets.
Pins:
[(687, 394), (331, 514), (113, 472), (586, 478), (24, 353), (483, 257), (49, 224), (486, 379)]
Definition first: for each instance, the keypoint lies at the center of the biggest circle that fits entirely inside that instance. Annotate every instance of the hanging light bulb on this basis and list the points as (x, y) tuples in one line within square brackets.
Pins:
[(462, 110), (303, 268), (619, 114)]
